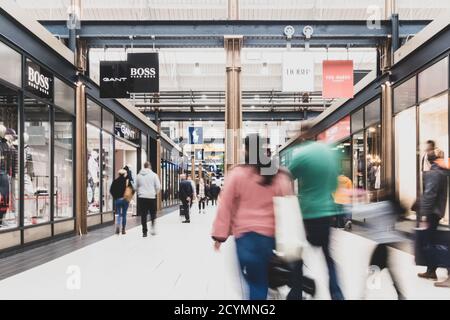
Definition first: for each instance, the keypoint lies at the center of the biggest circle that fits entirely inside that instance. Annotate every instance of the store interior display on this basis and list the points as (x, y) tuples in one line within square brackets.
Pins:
[(37, 162), (126, 156), (107, 171), (93, 169)]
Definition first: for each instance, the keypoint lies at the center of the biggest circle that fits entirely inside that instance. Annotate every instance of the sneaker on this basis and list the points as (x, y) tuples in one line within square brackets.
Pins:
[(428, 275), (144, 235), (348, 225), (443, 284), (117, 230), (123, 231), (187, 221)]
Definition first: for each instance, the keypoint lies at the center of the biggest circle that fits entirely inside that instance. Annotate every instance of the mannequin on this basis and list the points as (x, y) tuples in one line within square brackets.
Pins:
[(29, 171), (93, 180), (5, 156)]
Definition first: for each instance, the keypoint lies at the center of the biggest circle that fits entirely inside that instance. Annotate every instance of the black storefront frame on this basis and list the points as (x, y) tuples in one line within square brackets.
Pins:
[(416, 105), (50, 103)]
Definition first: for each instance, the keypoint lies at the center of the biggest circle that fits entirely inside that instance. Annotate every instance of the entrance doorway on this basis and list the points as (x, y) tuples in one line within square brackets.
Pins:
[(126, 156)]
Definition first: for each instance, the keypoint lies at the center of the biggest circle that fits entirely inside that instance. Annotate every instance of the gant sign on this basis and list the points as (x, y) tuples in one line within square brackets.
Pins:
[(39, 80)]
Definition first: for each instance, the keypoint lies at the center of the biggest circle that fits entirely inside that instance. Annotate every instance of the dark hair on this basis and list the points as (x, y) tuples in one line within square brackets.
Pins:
[(433, 144), (257, 156), (147, 165)]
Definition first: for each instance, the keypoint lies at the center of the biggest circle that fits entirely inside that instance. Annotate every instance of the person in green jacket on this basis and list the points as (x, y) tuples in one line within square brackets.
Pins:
[(315, 166)]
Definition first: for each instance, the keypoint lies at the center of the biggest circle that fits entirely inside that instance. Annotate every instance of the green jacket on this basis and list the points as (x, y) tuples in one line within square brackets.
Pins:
[(316, 168)]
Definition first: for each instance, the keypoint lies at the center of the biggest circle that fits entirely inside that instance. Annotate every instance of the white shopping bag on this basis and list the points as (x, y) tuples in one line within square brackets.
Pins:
[(290, 233)]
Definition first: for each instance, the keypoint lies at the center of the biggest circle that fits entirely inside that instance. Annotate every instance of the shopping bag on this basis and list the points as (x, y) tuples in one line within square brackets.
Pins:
[(432, 248), (290, 236)]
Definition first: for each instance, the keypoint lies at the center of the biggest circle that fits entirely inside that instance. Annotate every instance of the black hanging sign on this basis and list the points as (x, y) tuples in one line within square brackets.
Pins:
[(39, 80), (114, 79), (143, 72)]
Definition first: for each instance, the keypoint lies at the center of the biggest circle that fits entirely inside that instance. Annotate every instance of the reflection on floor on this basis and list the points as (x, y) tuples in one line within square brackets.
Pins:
[(179, 263)]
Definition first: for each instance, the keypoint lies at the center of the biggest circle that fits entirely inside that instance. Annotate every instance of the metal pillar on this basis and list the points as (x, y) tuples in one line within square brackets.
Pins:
[(158, 162), (233, 9), (81, 163), (233, 103), (395, 32), (387, 132)]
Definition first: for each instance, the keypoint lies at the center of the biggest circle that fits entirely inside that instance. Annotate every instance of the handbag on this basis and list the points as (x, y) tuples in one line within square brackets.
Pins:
[(290, 235), (129, 192), (432, 248)]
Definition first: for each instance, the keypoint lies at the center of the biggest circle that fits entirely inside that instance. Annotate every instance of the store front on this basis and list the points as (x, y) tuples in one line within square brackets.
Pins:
[(170, 176), (420, 109), (37, 116)]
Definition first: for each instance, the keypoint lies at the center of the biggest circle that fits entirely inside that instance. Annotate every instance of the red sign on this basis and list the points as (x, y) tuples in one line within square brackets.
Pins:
[(339, 131), (337, 79)]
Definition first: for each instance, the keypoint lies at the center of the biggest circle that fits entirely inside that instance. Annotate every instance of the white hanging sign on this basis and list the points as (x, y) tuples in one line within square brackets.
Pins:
[(298, 72)]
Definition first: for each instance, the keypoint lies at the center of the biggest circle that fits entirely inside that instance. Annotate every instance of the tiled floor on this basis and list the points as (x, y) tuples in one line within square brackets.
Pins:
[(179, 263)]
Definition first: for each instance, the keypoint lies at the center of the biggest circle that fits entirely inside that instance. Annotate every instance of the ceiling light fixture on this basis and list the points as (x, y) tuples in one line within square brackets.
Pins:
[(253, 107), (197, 70)]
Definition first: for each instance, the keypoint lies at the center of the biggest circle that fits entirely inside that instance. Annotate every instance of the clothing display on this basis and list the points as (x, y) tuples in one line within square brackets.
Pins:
[(8, 171), (93, 189)]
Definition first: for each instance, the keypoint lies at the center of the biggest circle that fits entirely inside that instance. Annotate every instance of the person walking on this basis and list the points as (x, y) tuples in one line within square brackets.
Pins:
[(215, 191), (201, 196), (147, 187), (246, 211), (433, 205), (208, 193), (316, 168), (342, 198), (117, 190), (186, 194)]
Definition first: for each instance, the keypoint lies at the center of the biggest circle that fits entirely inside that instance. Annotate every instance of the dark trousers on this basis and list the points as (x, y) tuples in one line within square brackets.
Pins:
[(186, 207), (147, 206), (214, 201), (433, 224), (318, 234), (254, 252), (201, 203)]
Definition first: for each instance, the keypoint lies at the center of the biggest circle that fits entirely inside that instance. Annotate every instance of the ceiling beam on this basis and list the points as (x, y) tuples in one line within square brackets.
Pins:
[(220, 116), (211, 33)]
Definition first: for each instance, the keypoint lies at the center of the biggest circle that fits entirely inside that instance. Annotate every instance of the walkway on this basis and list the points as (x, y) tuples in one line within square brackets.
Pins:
[(179, 263)]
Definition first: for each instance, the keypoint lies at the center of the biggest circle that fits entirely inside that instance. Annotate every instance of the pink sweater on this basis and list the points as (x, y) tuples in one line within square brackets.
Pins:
[(247, 206)]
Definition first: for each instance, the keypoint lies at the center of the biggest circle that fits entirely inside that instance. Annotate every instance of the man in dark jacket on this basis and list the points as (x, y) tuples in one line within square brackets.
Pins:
[(433, 204), (185, 193), (215, 191)]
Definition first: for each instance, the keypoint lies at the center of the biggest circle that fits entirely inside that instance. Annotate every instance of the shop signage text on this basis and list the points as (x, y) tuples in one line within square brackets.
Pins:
[(337, 132), (125, 131), (338, 79), (114, 79), (39, 80), (298, 72)]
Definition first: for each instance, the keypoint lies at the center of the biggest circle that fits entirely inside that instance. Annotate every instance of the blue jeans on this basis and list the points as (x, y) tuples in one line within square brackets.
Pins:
[(121, 210), (254, 253)]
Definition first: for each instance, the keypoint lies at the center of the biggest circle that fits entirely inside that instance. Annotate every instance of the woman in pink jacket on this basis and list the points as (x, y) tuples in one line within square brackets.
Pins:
[(246, 212)]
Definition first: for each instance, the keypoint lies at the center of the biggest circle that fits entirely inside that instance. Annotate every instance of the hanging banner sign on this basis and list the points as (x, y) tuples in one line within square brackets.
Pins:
[(298, 72), (114, 79), (338, 79), (39, 80), (337, 132), (143, 72)]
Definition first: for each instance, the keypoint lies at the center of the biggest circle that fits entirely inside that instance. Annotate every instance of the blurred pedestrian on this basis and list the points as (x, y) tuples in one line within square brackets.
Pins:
[(186, 193), (147, 187), (433, 205), (215, 191), (343, 200), (201, 196), (315, 166), (246, 211), (117, 190), (208, 193)]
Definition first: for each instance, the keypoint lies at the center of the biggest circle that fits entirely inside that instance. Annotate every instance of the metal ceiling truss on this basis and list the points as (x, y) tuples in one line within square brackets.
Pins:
[(195, 34), (220, 116)]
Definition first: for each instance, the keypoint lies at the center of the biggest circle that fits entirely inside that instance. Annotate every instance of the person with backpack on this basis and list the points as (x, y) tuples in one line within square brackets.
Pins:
[(246, 211), (121, 189), (186, 194)]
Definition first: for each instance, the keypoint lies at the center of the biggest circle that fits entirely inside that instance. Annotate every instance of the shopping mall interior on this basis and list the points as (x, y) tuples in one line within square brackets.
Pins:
[(92, 88)]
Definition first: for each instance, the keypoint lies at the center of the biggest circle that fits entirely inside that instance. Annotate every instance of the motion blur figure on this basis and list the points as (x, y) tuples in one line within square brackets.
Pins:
[(343, 200), (315, 166), (246, 211), (433, 204)]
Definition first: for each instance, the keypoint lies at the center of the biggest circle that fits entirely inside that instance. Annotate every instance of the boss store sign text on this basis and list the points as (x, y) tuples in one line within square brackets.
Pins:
[(139, 74), (39, 81)]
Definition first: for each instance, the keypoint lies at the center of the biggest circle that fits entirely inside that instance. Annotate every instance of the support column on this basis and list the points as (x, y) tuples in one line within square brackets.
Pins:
[(233, 103), (387, 138), (193, 168), (158, 163), (233, 9), (81, 163)]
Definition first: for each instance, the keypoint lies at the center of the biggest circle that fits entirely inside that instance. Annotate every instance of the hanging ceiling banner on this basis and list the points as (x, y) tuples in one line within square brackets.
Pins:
[(298, 72), (114, 79), (337, 79), (143, 73), (337, 132)]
